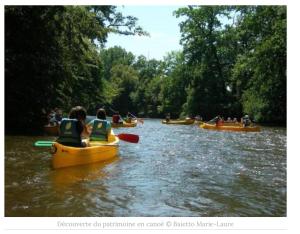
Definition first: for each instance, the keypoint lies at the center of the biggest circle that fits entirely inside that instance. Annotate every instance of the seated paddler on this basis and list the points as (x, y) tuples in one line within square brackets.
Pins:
[(116, 118), (100, 127), (73, 129)]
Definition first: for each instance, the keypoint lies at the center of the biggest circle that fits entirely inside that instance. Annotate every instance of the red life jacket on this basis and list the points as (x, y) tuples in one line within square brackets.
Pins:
[(115, 118), (220, 122)]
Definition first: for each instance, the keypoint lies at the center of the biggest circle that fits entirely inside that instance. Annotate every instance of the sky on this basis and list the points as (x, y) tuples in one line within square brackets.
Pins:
[(159, 22)]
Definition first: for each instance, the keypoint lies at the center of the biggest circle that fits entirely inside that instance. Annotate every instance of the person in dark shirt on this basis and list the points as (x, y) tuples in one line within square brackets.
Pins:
[(72, 129), (116, 118)]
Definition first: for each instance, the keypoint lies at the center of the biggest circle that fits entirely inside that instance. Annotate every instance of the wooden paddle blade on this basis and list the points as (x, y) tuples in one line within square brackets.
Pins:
[(132, 138)]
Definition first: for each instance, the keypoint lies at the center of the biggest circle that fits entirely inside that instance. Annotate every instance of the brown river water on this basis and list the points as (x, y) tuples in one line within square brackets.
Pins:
[(174, 170)]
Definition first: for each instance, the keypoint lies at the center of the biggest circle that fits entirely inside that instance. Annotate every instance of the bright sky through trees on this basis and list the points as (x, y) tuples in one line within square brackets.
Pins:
[(159, 22)]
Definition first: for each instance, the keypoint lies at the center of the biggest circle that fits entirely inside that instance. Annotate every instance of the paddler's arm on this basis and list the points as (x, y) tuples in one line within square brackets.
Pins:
[(89, 126)]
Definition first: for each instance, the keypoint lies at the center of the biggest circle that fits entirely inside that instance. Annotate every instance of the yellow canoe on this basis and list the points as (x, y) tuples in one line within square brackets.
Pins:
[(183, 122), (98, 151), (125, 124), (232, 124), (237, 128)]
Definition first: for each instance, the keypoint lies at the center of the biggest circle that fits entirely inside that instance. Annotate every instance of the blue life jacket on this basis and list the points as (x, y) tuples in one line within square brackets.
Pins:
[(100, 130), (69, 134)]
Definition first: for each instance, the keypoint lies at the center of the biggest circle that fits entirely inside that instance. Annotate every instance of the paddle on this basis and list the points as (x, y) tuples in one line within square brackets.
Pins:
[(132, 138), (212, 120), (43, 143), (140, 120), (116, 112), (50, 143)]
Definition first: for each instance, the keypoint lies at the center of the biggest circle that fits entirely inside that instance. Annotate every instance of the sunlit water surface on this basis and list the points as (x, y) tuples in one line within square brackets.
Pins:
[(173, 171)]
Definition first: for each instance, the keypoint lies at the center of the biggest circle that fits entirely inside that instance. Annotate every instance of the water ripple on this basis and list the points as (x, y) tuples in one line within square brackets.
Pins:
[(172, 171)]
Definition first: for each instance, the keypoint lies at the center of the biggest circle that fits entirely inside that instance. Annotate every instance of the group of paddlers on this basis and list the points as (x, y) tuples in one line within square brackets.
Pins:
[(219, 121), (73, 128)]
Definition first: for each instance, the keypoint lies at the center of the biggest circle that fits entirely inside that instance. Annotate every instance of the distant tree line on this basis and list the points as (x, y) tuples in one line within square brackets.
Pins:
[(233, 62)]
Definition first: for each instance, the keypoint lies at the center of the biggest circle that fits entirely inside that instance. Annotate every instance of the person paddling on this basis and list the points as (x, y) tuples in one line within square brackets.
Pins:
[(134, 117), (246, 121), (72, 129), (168, 117), (128, 118), (100, 127), (116, 118), (58, 115), (218, 121), (55, 117)]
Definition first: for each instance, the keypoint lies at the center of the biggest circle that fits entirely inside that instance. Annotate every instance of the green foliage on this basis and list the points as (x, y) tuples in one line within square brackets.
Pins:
[(113, 21), (204, 49), (124, 81), (145, 99), (152, 96), (174, 85), (32, 64), (233, 62), (52, 60), (264, 65), (237, 61), (254, 104), (113, 56)]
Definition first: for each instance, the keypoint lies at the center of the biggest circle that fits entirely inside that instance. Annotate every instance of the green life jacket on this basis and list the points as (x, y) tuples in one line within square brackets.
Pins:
[(100, 130), (69, 134)]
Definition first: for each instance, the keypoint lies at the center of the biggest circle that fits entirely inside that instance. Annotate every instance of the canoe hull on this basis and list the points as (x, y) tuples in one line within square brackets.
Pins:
[(182, 122), (124, 124), (65, 156), (237, 128)]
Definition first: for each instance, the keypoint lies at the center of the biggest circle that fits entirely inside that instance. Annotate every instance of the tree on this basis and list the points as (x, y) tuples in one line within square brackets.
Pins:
[(174, 85), (124, 81), (236, 58), (32, 65), (202, 42), (263, 64), (113, 56), (52, 59), (144, 101)]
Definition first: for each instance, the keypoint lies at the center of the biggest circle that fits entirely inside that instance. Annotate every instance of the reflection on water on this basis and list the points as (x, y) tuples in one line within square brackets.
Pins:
[(63, 177), (172, 171)]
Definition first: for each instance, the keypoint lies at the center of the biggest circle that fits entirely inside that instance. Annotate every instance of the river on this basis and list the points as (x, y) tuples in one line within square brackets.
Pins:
[(173, 171)]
